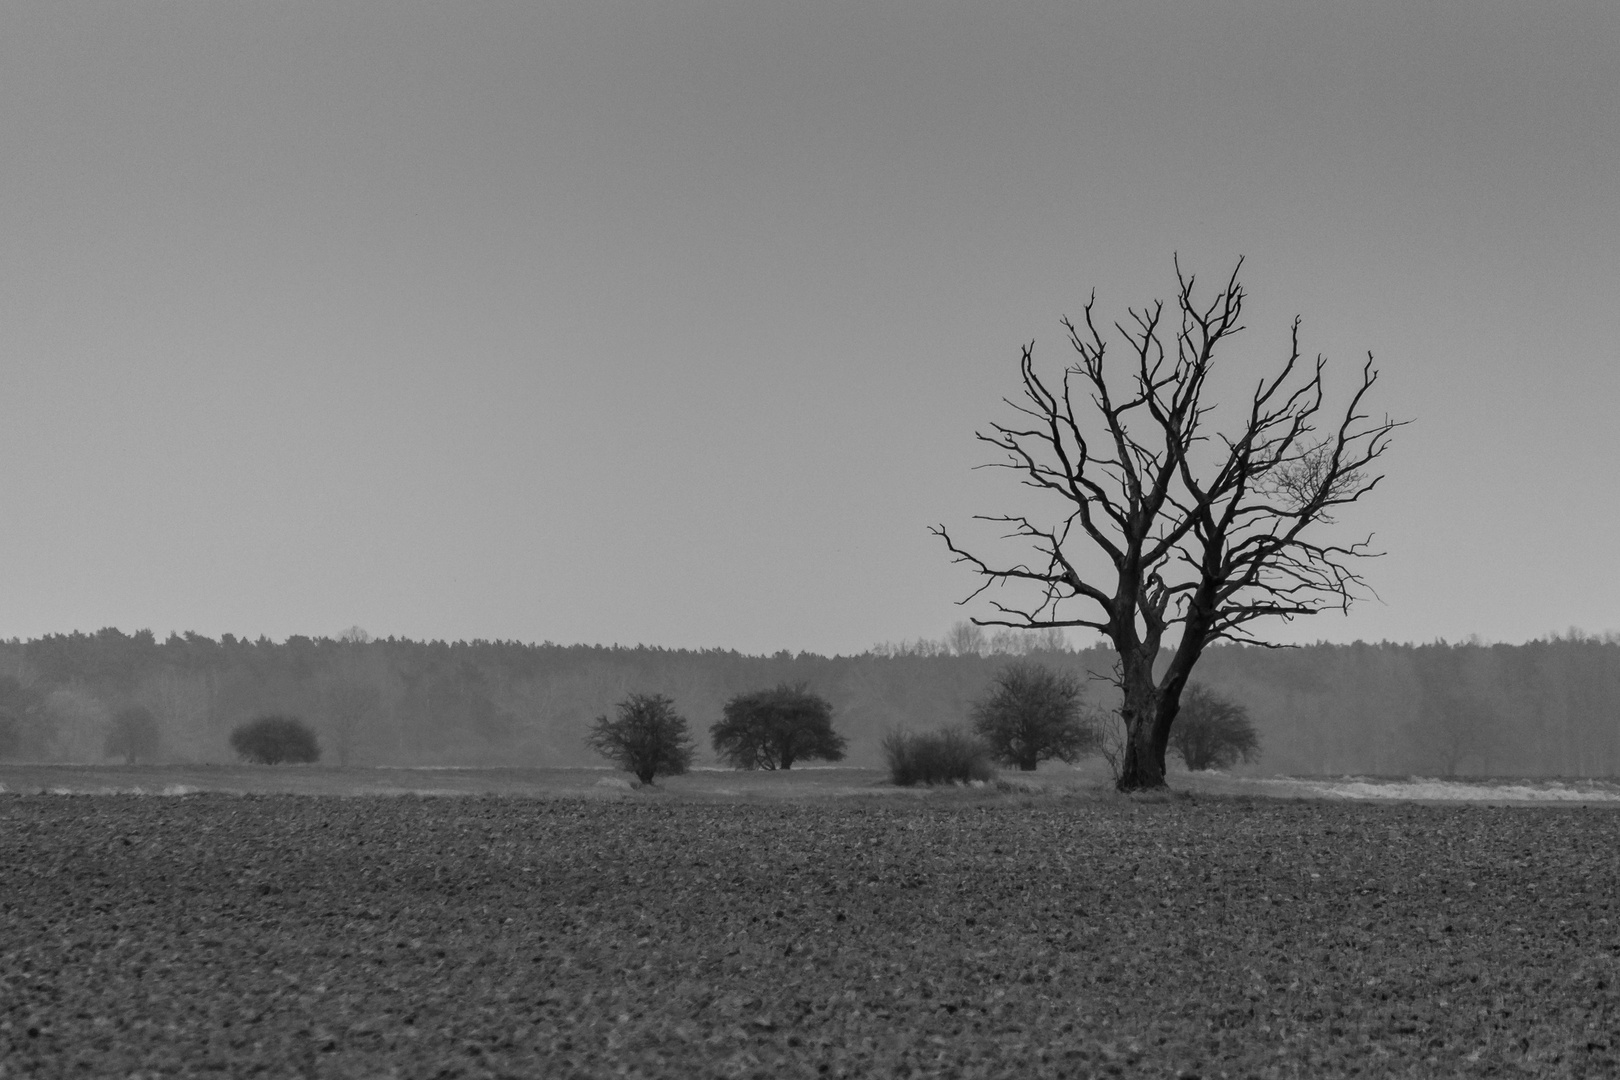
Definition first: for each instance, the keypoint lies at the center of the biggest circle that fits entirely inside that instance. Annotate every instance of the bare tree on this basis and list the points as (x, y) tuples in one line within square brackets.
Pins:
[(965, 639), (1173, 535)]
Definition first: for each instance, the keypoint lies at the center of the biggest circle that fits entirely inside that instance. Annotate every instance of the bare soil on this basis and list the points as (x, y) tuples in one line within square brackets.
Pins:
[(647, 933)]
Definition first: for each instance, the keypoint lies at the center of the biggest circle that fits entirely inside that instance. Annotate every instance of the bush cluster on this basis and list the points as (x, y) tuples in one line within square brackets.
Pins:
[(273, 740), (936, 757)]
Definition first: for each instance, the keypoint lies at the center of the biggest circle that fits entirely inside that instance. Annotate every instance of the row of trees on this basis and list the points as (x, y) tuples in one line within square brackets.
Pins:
[(1548, 707), (1032, 714), (761, 729)]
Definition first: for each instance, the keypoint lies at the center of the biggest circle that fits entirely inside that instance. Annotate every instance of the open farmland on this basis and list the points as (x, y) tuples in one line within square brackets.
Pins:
[(655, 934)]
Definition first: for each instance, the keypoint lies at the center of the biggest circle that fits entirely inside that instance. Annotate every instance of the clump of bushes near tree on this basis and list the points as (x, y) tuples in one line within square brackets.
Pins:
[(647, 737), (276, 740), (1034, 714), (1212, 731), (950, 755), (771, 729)]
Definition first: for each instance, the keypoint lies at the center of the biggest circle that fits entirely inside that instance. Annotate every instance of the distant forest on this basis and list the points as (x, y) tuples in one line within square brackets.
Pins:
[(1549, 707)]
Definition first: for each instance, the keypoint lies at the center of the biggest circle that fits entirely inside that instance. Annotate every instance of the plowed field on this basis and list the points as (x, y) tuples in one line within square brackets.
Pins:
[(966, 935)]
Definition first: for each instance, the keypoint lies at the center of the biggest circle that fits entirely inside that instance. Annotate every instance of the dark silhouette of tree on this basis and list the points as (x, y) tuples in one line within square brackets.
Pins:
[(771, 729), (274, 740), (1034, 714), (134, 735), (1213, 731), (23, 728), (647, 737), (1173, 533)]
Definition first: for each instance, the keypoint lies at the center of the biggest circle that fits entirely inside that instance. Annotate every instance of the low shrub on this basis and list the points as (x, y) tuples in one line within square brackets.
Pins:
[(950, 755), (272, 740)]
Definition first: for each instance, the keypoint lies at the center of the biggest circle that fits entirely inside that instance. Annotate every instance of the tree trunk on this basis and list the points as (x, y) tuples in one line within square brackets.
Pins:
[(1142, 769), (1026, 766), (1147, 729)]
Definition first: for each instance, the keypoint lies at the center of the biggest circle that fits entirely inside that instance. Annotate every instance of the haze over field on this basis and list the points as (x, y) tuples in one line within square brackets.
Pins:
[(1544, 709), (672, 323)]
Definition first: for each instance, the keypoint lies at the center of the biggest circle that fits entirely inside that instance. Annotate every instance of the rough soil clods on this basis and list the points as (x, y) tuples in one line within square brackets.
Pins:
[(954, 937)]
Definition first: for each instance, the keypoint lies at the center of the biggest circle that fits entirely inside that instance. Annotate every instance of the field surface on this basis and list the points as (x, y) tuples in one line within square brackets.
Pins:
[(650, 933)]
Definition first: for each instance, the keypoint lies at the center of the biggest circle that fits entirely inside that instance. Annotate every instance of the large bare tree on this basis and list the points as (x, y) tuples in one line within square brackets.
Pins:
[(1174, 536)]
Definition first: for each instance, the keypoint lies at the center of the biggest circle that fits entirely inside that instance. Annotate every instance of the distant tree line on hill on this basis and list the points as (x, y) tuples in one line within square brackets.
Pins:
[(1549, 707)]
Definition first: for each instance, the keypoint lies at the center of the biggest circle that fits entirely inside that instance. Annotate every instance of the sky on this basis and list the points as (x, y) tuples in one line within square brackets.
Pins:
[(673, 322)]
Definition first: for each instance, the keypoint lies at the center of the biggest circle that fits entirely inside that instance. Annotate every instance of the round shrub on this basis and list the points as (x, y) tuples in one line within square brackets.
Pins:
[(273, 740)]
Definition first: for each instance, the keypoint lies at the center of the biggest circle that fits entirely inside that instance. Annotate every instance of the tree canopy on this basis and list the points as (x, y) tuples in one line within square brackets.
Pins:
[(1034, 714), (647, 737), (771, 729), (1213, 731)]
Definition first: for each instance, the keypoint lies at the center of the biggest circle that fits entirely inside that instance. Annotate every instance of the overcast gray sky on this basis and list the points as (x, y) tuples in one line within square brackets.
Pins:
[(672, 322)]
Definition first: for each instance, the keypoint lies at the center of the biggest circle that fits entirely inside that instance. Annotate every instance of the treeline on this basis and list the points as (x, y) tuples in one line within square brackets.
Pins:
[(1544, 708)]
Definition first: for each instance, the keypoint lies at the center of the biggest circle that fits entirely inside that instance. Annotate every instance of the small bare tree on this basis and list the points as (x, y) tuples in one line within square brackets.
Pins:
[(966, 639), (1174, 536)]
